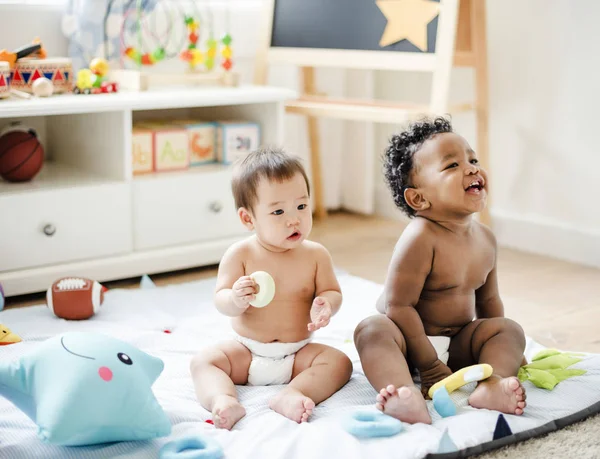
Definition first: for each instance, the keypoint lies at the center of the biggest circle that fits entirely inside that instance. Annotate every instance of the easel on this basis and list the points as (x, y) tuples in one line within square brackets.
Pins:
[(460, 41)]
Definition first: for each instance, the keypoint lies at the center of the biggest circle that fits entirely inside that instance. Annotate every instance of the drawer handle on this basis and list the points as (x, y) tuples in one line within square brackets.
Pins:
[(49, 230), (215, 207)]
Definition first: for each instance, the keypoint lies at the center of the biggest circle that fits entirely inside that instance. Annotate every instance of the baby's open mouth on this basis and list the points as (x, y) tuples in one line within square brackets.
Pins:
[(475, 186), (295, 236)]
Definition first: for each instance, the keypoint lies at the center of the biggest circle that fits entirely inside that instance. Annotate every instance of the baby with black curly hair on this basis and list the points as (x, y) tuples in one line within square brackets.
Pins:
[(440, 309)]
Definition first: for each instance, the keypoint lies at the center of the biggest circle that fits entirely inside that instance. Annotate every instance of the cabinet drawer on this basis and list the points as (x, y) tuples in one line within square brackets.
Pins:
[(183, 208), (56, 226)]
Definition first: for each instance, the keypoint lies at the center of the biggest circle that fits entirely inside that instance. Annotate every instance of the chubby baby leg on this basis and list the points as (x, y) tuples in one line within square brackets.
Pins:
[(499, 342), (382, 351), (319, 371), (215, 372)]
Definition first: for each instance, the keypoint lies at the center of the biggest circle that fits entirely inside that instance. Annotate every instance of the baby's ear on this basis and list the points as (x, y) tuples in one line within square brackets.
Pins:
[(415, 199), (246, 218)]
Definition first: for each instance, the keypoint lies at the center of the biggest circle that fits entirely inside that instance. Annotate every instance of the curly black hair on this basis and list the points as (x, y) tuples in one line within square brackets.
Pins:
[(398, 157)]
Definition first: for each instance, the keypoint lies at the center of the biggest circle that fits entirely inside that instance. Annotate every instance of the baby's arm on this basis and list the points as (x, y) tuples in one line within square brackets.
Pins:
[(487, 297), (326, 283), (409, 268), (231, 270), (328, 294)]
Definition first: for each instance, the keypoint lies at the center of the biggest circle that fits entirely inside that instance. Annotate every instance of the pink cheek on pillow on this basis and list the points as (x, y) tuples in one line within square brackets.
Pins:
[(105, 373)]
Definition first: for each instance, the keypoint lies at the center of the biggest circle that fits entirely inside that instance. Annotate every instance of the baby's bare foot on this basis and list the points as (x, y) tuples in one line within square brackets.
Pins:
[(292, 404), (406, 404), (226, 412), (501, 394)]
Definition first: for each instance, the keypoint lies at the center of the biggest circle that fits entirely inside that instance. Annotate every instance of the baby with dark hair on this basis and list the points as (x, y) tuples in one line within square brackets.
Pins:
[(440, 309), (271, 344)]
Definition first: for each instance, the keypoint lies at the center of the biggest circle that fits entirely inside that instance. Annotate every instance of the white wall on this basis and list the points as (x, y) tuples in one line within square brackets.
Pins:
[(544, 97), (43, 22)]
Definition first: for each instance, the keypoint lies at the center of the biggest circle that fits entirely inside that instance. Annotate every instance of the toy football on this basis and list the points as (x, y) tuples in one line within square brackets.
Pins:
[(75, 298)]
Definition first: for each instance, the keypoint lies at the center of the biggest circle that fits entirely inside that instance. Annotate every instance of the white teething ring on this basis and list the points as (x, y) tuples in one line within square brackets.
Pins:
[(266, 289)]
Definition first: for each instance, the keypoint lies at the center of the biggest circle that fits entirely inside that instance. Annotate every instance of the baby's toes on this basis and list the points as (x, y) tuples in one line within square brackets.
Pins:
[(383, 396), (309, 405), (379, 406), (219, 421), (391, 390), (519, 391), (515, 385)]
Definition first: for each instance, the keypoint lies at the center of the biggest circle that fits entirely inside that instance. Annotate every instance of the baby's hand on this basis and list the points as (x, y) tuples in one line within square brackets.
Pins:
[(320, 313), (243, 291), (432, 375)]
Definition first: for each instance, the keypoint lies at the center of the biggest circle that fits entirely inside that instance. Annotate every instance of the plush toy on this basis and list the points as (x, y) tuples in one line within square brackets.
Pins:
[(86, 388), (440, 392), (549, 367), (75, 298), (8, 337)]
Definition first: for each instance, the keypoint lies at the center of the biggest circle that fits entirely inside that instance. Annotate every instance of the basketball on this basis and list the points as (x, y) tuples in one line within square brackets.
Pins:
[(21, 154)]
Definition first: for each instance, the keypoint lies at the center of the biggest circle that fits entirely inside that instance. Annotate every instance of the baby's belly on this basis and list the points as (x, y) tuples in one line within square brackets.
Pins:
[(286, 323), (446, 315)]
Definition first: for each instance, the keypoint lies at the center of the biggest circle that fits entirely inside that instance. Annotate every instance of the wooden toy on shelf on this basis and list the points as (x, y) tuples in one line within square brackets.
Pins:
[(202, 141), (142, 150), (42, 87), (170, 146), (26, 71), (36, 49), (56, 69), (94, 80), (236, 139), (145, 45), (4, 80)]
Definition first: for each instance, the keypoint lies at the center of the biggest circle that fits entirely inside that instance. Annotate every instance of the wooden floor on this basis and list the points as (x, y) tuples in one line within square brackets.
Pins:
[(557, 303)]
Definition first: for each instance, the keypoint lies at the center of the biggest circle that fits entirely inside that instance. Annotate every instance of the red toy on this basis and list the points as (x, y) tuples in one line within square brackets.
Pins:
[(75, 298), (21, 154)]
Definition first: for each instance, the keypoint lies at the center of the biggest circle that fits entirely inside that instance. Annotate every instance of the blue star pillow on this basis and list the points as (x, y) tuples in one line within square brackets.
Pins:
[(87, 388)]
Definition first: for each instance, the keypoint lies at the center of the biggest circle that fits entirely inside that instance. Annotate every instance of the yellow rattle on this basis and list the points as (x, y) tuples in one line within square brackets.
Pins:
[(440, 391), (266, 289)]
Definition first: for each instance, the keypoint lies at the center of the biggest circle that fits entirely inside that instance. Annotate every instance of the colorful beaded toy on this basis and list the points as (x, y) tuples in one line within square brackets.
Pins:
[(136, 54), (191, 53), (226, 52)]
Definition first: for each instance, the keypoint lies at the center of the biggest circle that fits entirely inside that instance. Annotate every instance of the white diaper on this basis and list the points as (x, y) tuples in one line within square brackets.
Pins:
[(272, 363), (441, 345)]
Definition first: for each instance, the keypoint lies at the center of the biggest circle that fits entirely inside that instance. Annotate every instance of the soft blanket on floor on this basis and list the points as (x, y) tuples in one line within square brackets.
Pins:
[(141, 317)]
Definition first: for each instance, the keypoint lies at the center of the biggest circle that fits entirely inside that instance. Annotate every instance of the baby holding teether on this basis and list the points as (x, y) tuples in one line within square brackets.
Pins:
[(278, 288), (440, 311)]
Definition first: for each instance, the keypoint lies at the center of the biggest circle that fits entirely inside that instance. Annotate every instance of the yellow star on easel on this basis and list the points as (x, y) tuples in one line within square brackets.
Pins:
[(407, 19)]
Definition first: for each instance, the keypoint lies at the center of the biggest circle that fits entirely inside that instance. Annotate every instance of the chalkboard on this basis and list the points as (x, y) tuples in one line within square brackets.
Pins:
[(337, 24)]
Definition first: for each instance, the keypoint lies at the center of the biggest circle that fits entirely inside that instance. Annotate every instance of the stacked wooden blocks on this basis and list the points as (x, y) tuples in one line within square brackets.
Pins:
[(159, 146)]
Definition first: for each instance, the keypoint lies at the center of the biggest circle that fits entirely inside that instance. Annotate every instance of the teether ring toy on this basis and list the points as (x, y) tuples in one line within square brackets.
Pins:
[(440, 392), (266, 289), (368, 424), (192, 447)]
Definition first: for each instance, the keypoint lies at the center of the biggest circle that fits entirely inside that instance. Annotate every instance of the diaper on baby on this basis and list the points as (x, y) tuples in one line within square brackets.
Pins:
[(272, 363), (441, 344)]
